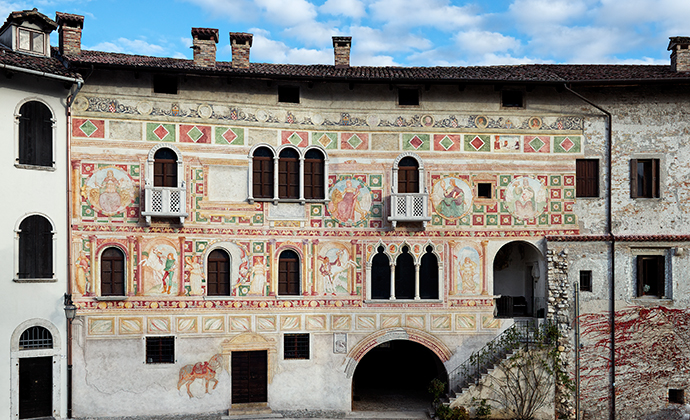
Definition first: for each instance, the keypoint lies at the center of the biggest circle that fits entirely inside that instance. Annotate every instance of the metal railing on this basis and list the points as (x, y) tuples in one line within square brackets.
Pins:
[(520, 306), (522, 333), (409, 207)]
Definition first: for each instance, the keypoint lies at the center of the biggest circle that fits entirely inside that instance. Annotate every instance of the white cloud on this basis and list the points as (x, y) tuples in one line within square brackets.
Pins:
[(482, 42), (537, 14), (370, 41), (349, 8), (287, 13), (416, 13), (129, 46), (265, 49), (315, 34)]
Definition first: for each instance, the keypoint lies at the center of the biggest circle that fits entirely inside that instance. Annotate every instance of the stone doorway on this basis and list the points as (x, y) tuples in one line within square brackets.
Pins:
[(395, 376)]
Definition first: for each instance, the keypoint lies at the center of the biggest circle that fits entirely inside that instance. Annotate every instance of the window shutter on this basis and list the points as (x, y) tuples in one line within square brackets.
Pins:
[(633, 178), (661, 276), (655, 177), (640, 276), (44, 136)]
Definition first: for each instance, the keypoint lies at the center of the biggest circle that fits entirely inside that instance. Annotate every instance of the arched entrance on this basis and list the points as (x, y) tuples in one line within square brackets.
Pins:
[(520, 281), (395, 375)]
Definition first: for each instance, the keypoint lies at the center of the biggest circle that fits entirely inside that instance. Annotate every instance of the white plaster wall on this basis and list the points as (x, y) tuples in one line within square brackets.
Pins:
[(32, 191)]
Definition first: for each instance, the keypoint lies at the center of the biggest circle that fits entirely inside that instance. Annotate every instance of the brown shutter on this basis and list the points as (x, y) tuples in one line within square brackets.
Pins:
[(633, 178), (655, 177), (640, 275)]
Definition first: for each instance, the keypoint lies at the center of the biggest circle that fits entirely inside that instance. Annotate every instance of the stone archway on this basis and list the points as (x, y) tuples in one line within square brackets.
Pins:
[(391, 369), (519, 278)]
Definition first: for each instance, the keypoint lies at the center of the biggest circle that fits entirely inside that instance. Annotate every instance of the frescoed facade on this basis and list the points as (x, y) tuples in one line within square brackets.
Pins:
[(244, 234), (35, 88)]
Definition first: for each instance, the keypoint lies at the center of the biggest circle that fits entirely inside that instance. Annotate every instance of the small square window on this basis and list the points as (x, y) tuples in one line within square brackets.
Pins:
[(296, 346), (164, 83), (585, 281), (676, 396), (511, 98), (484, 190), (289, 94), (587, 178), (644, 178), (408, 96), (160, 350), (651, 275)]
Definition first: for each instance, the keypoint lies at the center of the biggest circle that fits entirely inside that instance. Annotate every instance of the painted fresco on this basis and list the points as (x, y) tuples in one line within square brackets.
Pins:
[(82, 274), (160, 264), (350, 202), (195, 275), (451, 197), (334, 263), (205, 371), (526, 198), (109, 190), (468, 272)]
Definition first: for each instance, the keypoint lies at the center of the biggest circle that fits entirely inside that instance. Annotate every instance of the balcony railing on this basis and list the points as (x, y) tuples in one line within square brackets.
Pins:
[(520, 306), (409, 207), (164, 202)]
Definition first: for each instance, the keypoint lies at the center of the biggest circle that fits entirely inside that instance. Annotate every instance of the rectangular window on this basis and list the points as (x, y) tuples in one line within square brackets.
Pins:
[(585, 281), (644, 178), (511, 98), (587, 174), (160, 350), (296, 346), (651, 275), (164, 83), (289, 94), (676, 396), (408, 96), (484, 190)]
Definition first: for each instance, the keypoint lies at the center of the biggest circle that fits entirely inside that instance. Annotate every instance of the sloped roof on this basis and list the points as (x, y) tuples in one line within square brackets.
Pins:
[(33, 16), (527, 73), (50, 65)]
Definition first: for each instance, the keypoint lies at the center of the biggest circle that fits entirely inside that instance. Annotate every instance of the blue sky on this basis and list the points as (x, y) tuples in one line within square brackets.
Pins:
[(388, 32)]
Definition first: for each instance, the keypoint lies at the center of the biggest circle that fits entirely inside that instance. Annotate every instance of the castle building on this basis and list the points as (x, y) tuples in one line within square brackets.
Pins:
[(302, 237)]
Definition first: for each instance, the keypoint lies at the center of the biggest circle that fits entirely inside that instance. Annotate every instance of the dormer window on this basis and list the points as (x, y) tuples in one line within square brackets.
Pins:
[(31, 41)]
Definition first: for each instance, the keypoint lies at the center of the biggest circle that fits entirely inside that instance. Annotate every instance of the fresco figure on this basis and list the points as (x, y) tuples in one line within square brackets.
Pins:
[(257, 286), (349, 203), (333, 268), (453, 203), (110, 199), (81, 279), (169, 272), (205, 371), (526, 198), (468, 271), (196, 275), (109, 190), (525, 203), (159, 269)]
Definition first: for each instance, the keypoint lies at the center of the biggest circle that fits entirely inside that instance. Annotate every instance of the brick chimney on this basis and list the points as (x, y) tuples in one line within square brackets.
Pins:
[(680, 54), (341, 48), (205, 40), (69, 28), (241, 43)]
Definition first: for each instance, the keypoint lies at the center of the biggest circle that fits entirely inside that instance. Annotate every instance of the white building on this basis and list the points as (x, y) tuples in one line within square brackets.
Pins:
[(34, 88)]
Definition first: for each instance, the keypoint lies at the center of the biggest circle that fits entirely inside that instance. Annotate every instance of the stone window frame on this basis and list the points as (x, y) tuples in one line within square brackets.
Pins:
[(663, 252), (659, 172)]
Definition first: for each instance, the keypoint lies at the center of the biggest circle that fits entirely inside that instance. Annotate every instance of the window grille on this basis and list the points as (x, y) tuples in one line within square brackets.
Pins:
[(36, 338), (160, 350), (296, 346)]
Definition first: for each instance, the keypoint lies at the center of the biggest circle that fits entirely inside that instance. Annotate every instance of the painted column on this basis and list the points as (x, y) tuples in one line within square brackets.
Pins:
[(273, 289), (305, 268), (139, 280), (314, 253), (392, 265), (485, 274), (275, 179), (352, 277), (95, 285), (130, 266), (181, 290), (301, 179), (76, 191)]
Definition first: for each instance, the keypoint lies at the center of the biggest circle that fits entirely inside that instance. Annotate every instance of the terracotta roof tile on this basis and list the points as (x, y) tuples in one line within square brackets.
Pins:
[(33, 62), (619, 238), (529, 73)]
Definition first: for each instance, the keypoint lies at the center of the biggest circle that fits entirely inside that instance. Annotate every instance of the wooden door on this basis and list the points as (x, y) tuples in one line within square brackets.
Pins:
[(249, 376), (35, 387)]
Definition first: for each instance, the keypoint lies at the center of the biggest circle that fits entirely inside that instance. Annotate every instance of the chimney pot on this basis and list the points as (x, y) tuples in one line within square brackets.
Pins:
[(205, 40), (241, 43), (680, 53), (69, 28), (341, 48)]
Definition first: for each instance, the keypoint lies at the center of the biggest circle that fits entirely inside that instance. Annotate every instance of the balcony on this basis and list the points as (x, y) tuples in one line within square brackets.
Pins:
[(409, 207), (164, 202)]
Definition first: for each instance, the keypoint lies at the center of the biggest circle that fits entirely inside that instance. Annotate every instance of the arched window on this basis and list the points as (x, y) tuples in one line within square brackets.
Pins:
[(165, 168), (35, 248), (36, 337), (428, 275), (288, 174), (112, 272), (35, 134), (314, 175), (218, 273), (380, 275), (288, 273), (408, 175), (404, 275), (262, 173)]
